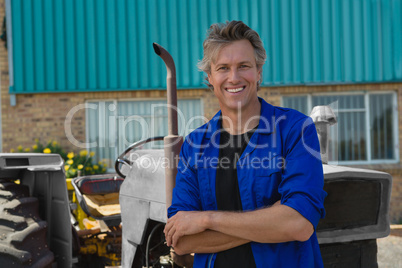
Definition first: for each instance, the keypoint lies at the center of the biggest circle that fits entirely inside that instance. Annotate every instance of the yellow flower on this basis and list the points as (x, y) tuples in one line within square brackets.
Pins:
[(66, 167), (27, 150), (54, 143), (96, 167), (80, 166), (12, 150), (70, 161), (70, 155), (103, 163), (88, 168), (91, 154), (47, 151), (35, 147), (36, 140), (20, 148), (83, 153)]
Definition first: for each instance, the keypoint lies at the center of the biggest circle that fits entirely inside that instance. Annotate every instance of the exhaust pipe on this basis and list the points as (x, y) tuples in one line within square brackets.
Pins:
[(323, 117), (172, 142)]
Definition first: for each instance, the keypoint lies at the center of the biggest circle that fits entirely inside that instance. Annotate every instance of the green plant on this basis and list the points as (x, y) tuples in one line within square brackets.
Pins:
[(82, 164), (76, 164)]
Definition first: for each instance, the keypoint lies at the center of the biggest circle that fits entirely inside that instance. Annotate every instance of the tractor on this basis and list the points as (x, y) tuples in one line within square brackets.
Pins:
[(46, 222)]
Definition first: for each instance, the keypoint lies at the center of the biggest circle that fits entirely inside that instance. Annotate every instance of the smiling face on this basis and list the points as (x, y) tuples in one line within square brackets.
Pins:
[(234, 76)]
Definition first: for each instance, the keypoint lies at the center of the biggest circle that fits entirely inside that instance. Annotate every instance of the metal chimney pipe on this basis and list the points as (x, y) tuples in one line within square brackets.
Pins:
[(171, 88), (323, 117), (172, 142)]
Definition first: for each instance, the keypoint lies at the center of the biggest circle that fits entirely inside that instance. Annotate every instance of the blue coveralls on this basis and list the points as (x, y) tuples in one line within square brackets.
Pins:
[(281, 162)]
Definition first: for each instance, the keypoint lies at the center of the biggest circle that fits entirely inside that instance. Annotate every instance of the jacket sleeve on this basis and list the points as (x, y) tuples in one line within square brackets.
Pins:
[(302, 182), (186, 195)]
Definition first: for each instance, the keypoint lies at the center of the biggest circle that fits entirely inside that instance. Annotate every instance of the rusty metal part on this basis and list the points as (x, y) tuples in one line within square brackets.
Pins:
[(170, 87), (186, 260), (323, 117), (172, 142), (86, 232), (172, 151)]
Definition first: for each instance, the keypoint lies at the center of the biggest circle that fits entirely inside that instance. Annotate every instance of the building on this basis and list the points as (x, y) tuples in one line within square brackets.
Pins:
[(84, 73)]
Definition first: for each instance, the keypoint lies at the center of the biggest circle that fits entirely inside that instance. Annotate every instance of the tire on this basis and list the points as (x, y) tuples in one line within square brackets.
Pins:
[(22, 232)]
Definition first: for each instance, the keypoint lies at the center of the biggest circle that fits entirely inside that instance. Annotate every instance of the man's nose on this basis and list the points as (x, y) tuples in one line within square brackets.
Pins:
[(234, 76)]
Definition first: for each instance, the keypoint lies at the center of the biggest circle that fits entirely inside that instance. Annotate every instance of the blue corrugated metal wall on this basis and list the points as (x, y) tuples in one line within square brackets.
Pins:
[(106, 45)]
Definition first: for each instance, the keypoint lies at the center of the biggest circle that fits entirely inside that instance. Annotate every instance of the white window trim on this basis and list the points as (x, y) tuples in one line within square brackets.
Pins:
[(115, 102), (366, 95)]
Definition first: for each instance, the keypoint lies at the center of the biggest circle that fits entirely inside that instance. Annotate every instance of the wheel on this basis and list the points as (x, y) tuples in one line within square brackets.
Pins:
[(22, 232)]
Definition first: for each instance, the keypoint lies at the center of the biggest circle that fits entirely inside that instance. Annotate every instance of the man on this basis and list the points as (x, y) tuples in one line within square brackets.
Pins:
[(248, 192)]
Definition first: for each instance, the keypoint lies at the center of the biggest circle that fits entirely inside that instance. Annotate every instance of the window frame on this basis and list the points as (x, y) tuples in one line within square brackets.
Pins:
[(366, 95), (115, 114)]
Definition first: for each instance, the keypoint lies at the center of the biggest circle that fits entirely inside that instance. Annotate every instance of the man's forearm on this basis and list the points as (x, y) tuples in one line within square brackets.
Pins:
[(275, 224), (207, 241)]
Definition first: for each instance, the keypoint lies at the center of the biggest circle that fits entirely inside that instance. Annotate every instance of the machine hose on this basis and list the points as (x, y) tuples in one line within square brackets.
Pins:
[(148, 242)]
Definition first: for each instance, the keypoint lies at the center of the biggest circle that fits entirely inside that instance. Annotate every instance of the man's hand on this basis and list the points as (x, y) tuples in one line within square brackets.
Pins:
[(185, 223)]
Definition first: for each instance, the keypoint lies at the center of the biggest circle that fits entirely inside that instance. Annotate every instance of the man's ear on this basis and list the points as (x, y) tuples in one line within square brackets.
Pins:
[(211, 87), (259, 74), (259, 71), (209, 77)]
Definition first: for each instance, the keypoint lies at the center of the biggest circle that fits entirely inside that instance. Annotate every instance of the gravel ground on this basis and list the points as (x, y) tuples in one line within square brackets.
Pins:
[(390, 249)]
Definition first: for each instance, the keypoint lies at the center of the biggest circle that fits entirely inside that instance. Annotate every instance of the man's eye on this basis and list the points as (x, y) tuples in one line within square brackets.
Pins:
[(222, 68), (243, 66)]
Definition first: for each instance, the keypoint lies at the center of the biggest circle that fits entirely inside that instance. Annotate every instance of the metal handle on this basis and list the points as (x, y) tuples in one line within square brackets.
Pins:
[(124, 161)]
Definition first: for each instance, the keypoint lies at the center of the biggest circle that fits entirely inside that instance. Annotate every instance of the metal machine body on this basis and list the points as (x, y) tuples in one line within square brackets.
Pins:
[(357, 205), (142, 198), (357, 208), (44, 175)]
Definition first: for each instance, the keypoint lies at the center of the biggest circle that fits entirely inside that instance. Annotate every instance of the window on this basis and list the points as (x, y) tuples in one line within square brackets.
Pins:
[(114, 125), (366, 131)]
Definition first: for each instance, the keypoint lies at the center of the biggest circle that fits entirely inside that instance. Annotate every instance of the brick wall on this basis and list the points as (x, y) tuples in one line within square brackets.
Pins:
[(43, 116)]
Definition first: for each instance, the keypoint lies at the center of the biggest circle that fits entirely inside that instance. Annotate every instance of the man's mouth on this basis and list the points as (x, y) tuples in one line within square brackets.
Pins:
[(235, 90)]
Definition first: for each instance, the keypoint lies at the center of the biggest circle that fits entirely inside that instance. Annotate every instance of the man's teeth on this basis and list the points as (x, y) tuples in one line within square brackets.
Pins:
[(234, 90)]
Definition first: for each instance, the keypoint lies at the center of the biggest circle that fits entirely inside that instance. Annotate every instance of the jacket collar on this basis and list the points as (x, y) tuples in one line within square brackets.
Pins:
[(266, 123)]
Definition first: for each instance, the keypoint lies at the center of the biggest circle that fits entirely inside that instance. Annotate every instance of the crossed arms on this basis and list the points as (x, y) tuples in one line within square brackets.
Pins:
[(214, 231)]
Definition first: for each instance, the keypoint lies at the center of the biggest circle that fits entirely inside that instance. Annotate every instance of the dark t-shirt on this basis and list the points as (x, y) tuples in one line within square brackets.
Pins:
[(228, 195)]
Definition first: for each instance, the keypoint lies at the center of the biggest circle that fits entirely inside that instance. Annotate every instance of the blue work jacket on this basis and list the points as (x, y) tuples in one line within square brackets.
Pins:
[(281, 162)]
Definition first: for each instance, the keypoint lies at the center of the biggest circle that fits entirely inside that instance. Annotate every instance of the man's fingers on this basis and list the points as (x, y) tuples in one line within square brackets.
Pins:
[(168, 241), (177, 226), (175, 237), (168, 236), (168, 226)]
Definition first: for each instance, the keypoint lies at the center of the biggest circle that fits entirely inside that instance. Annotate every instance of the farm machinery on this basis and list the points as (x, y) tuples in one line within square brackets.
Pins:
[(41, 226)]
